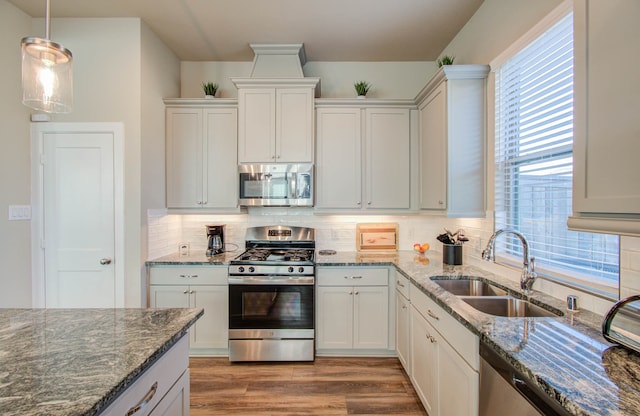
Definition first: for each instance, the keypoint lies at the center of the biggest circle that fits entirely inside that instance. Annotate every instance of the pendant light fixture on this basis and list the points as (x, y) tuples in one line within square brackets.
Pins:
[(47, 83)]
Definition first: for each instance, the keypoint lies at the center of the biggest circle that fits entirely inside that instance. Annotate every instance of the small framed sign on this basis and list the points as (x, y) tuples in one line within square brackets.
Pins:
[(377, 236)]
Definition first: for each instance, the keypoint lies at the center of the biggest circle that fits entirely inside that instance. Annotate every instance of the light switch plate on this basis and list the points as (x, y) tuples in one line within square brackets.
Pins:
[(19, 212)]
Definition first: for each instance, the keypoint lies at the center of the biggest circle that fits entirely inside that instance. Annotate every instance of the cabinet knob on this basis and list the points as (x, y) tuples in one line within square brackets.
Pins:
[(186, 292), (357, 293), (440, 202), (400, 283), (105, 261), (358, 203), (369, 203)]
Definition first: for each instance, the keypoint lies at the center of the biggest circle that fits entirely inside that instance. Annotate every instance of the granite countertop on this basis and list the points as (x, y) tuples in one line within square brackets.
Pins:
[(195, 258), (566, 356), (77, 361)]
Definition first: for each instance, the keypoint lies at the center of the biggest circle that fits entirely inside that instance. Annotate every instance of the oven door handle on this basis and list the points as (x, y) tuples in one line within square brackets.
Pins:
[(305, 280)]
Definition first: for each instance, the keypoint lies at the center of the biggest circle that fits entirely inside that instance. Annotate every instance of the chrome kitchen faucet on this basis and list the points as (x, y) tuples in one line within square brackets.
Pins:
[(529, 274)]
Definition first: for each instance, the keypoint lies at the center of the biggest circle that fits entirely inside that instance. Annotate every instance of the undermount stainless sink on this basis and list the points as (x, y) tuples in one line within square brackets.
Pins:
[(468, 287), (508, 306)]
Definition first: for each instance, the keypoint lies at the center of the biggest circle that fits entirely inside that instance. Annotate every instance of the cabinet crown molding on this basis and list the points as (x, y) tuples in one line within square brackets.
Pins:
[(200, 102), (306, 82), (450, 72)]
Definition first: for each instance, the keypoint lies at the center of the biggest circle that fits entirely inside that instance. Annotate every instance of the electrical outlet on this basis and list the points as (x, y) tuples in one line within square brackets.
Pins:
[(183, 249), (19, 212)]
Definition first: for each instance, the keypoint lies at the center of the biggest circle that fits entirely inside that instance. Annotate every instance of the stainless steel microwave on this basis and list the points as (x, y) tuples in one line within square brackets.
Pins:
[(278, 184)]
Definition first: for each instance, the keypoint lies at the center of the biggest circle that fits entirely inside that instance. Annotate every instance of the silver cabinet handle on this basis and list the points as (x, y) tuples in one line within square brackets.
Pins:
[(188, 276), (144, 401), (433, 315), (357, 293), (352, 277), (400, 283), (192, 292), (105, 260), (186, 292)]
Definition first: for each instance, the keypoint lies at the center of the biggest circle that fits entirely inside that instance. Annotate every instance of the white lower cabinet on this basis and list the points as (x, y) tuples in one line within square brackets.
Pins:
[(196, 287), (352, 310), (403, 322), (444, 360), (162, 390)]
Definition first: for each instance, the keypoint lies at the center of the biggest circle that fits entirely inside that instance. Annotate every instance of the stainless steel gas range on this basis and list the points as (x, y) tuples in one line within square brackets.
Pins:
[(271, 296)]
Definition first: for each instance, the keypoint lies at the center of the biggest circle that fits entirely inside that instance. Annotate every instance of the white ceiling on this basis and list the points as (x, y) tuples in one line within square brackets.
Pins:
[(331, 30)]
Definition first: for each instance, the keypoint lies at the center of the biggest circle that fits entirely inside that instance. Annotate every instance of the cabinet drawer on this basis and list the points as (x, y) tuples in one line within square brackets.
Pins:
[(186, 275), (353, 276), (402, 284), (165, 372), (460, 338)]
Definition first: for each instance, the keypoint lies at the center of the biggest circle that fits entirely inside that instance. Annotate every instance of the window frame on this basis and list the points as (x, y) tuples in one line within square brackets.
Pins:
[(598, 286)]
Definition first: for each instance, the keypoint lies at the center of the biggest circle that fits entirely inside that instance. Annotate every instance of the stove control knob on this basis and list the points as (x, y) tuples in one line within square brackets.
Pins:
[(300, 269), (290, 269), (241, 269), (252, 269)]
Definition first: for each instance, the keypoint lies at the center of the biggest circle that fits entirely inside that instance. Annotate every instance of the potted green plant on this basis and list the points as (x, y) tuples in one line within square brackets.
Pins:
[(362, 88), (446, 60), (209, 89)]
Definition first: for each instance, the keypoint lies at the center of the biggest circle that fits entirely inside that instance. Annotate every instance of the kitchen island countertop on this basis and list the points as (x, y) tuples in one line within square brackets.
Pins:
[(77, 361), (565, 356)]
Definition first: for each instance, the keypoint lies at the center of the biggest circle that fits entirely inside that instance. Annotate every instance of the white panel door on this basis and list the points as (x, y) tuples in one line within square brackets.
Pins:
[(79, 219), (77, 226)]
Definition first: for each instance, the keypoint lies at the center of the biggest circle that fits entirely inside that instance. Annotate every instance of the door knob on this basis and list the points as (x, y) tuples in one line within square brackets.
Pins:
[(105, 260)]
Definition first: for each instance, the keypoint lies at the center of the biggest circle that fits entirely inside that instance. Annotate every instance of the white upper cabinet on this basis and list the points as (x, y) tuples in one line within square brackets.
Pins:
[(364, 158), (452, 110), (276, 120), (606, 189), (201, 154), (339, 164)]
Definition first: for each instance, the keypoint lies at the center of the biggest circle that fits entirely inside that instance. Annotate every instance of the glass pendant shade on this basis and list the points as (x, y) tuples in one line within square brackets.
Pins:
[(47, 82)]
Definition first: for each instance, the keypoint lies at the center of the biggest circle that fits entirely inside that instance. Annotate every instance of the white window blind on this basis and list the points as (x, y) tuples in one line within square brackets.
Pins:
[(534, 163)]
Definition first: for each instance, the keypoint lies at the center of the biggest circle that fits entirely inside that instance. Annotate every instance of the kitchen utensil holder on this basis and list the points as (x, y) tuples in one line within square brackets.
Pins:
[(452, 254)]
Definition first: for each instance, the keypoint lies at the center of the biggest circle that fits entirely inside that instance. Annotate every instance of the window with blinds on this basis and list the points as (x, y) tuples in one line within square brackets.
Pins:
[(534, 164)]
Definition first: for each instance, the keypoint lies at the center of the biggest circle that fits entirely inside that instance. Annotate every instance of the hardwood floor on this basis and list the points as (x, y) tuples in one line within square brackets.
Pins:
[(328, 386)]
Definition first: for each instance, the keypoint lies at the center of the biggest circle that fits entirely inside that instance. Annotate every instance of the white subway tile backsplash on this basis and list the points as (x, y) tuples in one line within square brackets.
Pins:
[(338, 232)]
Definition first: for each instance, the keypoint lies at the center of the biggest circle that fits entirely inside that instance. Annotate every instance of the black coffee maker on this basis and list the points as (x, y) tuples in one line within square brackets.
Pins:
[(215, 234)]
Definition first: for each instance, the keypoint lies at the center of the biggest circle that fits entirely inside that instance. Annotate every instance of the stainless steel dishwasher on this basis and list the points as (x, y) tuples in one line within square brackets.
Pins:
[(504, 391)]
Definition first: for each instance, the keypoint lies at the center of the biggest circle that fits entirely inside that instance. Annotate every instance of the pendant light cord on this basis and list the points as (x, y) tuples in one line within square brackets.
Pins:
[(47, 17)]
